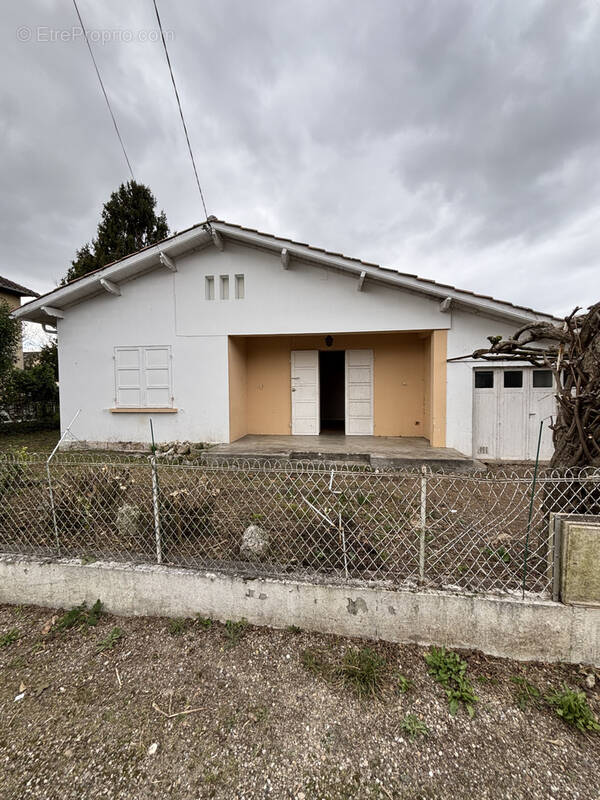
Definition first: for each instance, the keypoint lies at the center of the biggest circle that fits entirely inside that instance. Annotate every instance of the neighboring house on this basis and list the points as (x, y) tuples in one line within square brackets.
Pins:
[(220, 331), (11, 293)]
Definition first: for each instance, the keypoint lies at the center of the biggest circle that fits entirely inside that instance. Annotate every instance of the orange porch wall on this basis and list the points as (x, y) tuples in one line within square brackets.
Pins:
[(402, 377), (238, 388)]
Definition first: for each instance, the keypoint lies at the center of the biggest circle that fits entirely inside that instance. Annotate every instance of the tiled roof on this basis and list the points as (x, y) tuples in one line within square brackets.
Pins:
[(384, 269), (389, 270), (6, 285)]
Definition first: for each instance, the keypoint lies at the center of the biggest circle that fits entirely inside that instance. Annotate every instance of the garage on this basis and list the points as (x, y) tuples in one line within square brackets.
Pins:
[(508, 405)]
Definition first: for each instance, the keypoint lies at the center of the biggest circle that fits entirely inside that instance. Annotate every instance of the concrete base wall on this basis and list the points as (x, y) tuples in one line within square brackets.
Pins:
[(524, 630)]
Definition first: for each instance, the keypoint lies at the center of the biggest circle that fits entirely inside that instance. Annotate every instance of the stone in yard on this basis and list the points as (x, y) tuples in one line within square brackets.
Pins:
[(255, 542), (129, 520), (590, 680)]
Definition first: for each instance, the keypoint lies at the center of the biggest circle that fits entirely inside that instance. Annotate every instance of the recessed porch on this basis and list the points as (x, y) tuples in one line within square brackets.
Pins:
[(388, 385), (378, 451)]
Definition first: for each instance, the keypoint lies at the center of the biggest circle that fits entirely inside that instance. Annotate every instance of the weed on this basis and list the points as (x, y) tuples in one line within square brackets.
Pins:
[(526, 693), (403, 684), (314, 661), (294, 629), (413, 727), (363, 671), (501, 554), (204, 622), (79, 617), (109, 641), (86, 559), (178, 625), (234, 631), (8, 638), (571, 706), (449, 669)]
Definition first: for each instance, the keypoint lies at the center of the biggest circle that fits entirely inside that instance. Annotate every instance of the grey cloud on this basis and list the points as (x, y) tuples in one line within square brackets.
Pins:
[(454, 139)]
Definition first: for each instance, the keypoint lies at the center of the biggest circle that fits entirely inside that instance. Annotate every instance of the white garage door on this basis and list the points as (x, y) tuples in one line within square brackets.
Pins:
[(508, 406)]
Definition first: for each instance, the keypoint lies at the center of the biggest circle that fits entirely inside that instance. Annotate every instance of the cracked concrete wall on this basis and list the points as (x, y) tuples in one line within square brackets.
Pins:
[(499, 626)]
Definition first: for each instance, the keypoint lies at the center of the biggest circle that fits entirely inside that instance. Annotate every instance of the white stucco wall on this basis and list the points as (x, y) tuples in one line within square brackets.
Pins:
[(467, 333), (143, 315), (165, 308)]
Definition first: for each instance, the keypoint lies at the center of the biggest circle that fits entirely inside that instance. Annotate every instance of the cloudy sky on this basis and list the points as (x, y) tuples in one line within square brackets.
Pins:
[(452, 139)]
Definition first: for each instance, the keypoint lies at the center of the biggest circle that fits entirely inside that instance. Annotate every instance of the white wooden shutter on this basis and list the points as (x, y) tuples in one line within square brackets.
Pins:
[(157, 377), (128, 377)]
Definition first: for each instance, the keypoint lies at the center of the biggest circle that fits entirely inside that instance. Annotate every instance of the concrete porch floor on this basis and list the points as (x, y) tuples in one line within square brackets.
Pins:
[(378, 451)]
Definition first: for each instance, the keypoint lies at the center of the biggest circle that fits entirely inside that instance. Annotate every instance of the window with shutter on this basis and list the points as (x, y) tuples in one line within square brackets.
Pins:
[(143, 377)]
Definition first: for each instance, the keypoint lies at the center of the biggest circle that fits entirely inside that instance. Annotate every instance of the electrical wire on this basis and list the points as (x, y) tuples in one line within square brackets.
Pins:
[(180, 109), (87, 41)]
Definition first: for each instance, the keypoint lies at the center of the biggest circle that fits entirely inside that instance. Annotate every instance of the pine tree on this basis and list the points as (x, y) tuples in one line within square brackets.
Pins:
[(129, 222)]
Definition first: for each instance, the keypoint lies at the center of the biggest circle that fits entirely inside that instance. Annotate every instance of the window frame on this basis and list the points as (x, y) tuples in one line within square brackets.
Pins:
[(479, 372), (143, 368), (535, 372), (520, 371)]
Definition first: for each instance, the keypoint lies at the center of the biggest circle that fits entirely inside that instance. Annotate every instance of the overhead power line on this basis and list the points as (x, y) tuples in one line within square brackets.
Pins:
[(87, 41), (187, 138)]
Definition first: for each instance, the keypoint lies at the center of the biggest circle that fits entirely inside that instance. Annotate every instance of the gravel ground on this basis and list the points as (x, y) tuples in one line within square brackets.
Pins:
[(93, 724)]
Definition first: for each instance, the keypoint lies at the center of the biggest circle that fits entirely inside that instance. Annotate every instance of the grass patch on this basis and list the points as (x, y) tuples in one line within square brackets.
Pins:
[(572, 707), (204, 622), (9, 637), (414, 727), (293, 629), (234, 631), (403, 684), (178, 626), (526, 693), (315, 662), (78, 618), (449, 669), (109, 641), (363, 671)]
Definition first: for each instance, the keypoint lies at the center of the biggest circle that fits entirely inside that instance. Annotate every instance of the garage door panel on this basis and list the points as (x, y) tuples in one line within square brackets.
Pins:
[(512, 433), (507, 413)]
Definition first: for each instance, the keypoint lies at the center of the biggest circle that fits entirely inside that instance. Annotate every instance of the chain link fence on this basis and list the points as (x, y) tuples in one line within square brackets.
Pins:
[(467, 532)]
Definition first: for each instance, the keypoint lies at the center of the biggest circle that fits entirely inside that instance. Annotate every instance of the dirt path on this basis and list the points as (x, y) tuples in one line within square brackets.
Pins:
[(93, 724)]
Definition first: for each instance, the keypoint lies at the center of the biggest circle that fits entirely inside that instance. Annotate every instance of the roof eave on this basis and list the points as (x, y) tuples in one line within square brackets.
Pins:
[(125, 269), (385, 276)]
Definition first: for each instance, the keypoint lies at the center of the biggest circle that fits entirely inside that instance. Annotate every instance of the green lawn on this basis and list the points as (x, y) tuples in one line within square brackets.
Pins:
[(34, 441)]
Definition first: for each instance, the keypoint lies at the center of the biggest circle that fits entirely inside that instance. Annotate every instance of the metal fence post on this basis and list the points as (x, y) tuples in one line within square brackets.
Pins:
[(53, 508), (66, 431), (156, 508), (423, 524)]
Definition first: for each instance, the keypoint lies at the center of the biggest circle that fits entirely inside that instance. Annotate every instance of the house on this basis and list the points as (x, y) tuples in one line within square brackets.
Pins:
[(221, 331), (11, 293)]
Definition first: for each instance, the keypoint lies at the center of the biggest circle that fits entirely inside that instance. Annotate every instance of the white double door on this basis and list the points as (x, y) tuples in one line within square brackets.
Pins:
[(358, 392), (508, 406)]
